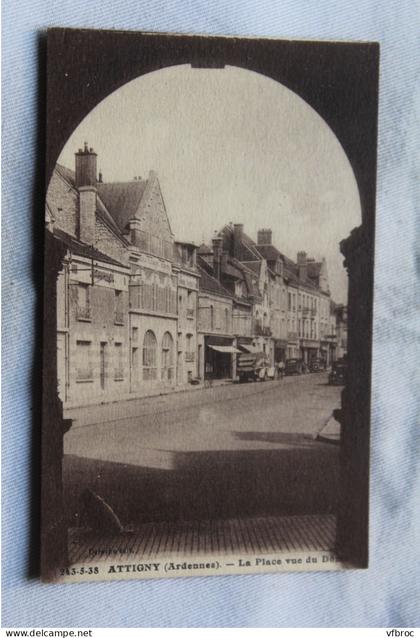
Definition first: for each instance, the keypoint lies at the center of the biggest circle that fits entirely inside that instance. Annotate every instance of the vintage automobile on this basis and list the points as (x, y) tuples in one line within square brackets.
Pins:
[(293, 366), (316, 365), (253, 366), (338, 373)]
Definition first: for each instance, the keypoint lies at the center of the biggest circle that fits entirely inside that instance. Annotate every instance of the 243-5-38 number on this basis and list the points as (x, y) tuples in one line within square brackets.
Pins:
[(78, 571)]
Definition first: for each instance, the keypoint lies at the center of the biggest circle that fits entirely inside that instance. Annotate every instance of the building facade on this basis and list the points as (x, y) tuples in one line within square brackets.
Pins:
[(128, 295), (140, 313), (188, 286), (216, 341)]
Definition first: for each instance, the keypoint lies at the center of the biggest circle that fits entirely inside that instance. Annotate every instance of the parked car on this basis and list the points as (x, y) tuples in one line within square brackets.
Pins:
[(293, 366), (253, 367), (316, 365), (338, 373)]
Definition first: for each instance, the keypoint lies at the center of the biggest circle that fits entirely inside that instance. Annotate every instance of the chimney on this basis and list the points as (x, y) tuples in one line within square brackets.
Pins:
[(302, 264), (264, 236), (86, 184), (85, 167), (217, 255), (238, 230)]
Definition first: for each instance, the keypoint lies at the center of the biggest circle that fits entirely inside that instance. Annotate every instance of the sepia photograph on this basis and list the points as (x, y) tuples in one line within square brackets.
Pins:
[(209, 220)]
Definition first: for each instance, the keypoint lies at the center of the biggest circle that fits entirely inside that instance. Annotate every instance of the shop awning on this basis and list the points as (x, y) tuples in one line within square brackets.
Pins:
[(250, 348), (229, 349), (280, 343)]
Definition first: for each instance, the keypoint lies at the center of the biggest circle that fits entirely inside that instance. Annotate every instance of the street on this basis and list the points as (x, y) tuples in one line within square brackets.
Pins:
[(230, 450)]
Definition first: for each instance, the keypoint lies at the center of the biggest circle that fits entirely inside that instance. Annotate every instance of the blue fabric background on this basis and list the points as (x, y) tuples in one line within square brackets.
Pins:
[(388, 593)]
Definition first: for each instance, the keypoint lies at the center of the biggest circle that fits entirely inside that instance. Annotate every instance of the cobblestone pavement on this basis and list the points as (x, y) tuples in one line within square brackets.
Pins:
[(256, 536)]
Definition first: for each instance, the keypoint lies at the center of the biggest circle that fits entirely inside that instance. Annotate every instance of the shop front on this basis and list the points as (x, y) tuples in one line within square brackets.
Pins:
[(280, 350), (309, 350), (293, 350), (219, 354), (329, 348), (324, 354)]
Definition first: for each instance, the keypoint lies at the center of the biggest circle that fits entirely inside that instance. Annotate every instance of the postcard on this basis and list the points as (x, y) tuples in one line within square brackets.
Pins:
[(209, 235)]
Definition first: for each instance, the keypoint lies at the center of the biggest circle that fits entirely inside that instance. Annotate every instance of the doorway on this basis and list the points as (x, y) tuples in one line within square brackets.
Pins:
[(102, 364)]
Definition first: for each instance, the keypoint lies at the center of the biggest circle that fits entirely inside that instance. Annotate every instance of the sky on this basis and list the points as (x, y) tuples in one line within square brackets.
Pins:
[(229, 145)]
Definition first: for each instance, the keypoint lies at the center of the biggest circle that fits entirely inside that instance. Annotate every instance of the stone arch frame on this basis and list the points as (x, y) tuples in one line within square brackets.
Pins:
[(340, 82)]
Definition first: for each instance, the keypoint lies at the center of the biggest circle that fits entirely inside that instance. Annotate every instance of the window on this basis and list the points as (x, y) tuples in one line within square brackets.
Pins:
[(289, 299), (84, 369), (83, 302), (149, 356), (167, 357), (190, 305), (135, 361), (118, 307), (134, 334), (211, 318), (136, 291), (118, 362), (189, 353), (227, 320)]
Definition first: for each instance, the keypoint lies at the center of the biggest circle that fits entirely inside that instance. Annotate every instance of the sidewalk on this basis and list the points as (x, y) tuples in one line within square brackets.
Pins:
[(331, 432), (72, 407), (136, 405)]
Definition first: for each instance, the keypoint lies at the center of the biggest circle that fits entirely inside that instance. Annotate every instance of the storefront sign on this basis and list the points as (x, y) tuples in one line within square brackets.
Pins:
[(102, 275)]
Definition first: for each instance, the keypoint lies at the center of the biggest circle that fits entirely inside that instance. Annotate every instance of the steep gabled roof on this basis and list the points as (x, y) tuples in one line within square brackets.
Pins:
[(67, 174), (122, 199), (208, 282), (101, 210), (291, 269), (269, 252), (249, 250), (255, 266), (251, 246)]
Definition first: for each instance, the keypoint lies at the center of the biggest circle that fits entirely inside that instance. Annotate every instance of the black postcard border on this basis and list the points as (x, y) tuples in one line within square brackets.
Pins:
[(340, 81)]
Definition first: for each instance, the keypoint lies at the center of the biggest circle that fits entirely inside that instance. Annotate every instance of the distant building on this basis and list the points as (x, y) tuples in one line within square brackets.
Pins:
[(216, 341), (277, 293), (240, 248)]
